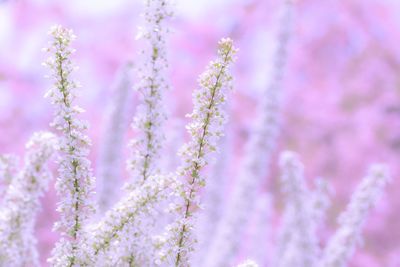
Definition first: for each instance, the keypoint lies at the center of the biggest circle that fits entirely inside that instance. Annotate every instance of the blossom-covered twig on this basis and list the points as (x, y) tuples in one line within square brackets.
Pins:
[(213, 201), (109, 177), (320, 201), (205, 129), (256, 162), (343, 243), (75, 182), (21, 204), (117, 234), (298, 243), (150, 114)]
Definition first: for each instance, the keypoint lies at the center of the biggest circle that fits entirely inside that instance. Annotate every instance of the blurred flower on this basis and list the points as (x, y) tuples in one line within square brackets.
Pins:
[(18, 245), (343, 243)]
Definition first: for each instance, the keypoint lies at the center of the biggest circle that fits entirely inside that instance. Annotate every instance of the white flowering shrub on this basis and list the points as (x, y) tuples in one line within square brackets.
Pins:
[(157, 217)]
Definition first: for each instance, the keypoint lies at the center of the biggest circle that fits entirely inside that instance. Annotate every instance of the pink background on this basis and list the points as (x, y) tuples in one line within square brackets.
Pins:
[(342, 86)]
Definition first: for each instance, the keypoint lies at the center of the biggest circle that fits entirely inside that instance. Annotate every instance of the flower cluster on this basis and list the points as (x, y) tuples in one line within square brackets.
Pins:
[(21, 204), (343, 243), (75, 182), (118, 233), (212, 201), (205, 129), (298, 245), (258, 154), (150, 114)]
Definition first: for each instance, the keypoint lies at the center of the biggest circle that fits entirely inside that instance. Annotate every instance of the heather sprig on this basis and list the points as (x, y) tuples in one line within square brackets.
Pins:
[(21, 203), (120, 228), (205, 129), (343, 243), (212, 200), (258, 152), (150, 114), (298, 244), (75, 182), (261, 247)]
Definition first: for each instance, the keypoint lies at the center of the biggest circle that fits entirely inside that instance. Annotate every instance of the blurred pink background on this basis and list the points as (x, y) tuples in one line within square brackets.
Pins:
[(342, 86)]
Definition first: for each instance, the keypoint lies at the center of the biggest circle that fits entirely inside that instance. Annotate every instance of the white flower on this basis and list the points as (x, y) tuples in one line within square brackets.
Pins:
[(213, 201), (150, 114), (320, 201), (205, 129), (21, 204), (75, 182), (120, 233), (343, 243), (258, 152), (153, 83)]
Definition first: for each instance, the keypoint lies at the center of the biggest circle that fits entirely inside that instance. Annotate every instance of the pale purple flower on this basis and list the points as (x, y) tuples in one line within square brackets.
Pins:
[(343, 243), (21, 204), (255, 166), (298, 244)]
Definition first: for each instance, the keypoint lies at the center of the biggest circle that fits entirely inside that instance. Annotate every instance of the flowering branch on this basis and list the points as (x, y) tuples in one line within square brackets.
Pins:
[(343, 243), (298, 244), (21, 204), (120, 225), (75, 182), (205, 129), (150, 114), (259, 149)]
